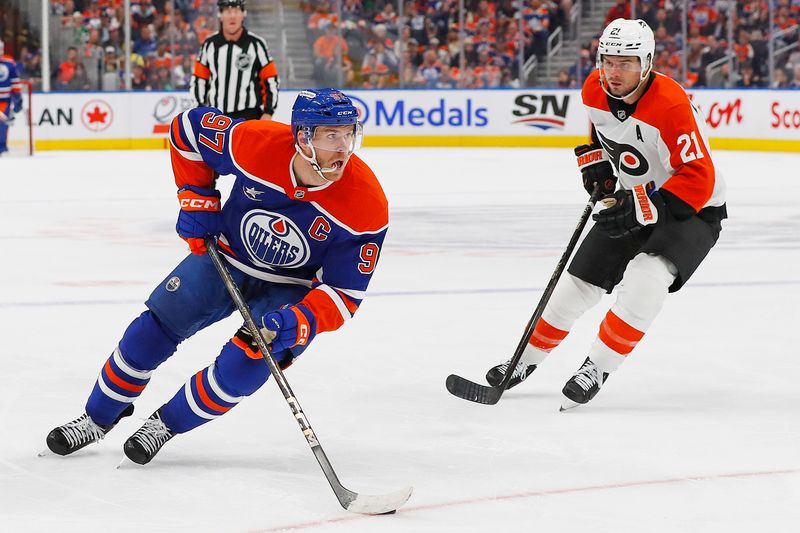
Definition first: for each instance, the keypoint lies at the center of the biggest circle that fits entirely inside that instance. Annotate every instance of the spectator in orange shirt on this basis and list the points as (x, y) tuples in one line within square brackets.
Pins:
[(326, 49), (66, 70)]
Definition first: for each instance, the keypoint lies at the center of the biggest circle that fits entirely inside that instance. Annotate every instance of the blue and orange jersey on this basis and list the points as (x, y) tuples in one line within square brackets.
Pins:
[(9, 79), (327, 238)]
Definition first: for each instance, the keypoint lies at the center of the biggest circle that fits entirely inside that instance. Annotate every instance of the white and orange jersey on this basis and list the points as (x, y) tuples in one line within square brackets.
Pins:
[(661, 138)]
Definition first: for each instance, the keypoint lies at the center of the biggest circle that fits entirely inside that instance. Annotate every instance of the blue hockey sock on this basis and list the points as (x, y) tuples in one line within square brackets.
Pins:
[(144, 346), (201, 399), (117, 386)]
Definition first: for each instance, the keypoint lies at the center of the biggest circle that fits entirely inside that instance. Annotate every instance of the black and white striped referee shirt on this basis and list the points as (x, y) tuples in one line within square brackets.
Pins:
[(235, 76)]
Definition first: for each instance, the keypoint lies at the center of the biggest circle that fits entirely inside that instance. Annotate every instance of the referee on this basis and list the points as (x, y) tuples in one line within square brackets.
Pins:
[(234, 71)]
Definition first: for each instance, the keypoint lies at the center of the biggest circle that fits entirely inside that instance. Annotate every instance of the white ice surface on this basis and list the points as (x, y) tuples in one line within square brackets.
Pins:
[(698, 431)]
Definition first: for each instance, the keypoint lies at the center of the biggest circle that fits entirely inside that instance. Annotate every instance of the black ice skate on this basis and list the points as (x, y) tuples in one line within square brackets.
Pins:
[(79, 433), (496, 374), (583, 385), (143, 445)]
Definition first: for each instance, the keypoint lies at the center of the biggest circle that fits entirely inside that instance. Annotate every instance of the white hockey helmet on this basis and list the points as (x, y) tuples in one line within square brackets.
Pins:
[(626, 37)]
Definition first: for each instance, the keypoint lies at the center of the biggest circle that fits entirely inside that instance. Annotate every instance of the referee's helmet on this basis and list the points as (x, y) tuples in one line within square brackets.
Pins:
[(222, 4)]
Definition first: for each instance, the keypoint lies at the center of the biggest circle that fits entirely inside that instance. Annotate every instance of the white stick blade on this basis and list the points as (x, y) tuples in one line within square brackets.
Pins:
[(366, 504)]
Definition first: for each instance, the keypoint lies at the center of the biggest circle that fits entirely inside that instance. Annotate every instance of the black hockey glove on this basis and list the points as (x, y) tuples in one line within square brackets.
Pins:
[(595, 168), (631, 211)]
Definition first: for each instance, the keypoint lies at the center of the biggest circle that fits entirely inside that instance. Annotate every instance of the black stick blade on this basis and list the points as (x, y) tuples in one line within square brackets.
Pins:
[(473, 392)]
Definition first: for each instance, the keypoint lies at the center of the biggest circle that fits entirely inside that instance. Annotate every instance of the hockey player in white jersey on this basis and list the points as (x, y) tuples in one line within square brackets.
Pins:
[(664, 199)]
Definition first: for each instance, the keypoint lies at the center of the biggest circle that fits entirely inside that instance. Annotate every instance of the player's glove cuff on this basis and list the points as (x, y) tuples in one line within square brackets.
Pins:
[(193, 198), (595, 168), (631, 211)]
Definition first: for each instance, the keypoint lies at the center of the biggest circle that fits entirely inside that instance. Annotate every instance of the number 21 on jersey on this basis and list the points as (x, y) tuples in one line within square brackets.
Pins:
[(690, 148)]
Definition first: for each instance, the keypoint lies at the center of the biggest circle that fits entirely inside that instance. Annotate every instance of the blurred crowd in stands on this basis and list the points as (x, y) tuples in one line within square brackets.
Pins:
[(87, 39), (715, 30), (369, 44), (374, 46)]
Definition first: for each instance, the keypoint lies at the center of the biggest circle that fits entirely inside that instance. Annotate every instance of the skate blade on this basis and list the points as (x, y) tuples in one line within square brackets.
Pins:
[(567, 405), (125, 461), (45, 453)]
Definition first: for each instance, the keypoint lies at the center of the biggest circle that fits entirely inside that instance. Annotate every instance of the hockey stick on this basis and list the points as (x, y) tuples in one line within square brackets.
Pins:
[(352, 501), (474, 392)]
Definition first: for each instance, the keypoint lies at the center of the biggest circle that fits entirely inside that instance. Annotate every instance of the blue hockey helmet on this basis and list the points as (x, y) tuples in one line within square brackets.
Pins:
[(315, 108), (322, 107)]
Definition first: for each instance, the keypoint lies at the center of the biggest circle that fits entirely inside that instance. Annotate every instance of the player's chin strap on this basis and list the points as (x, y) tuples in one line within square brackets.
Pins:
[(642, 77), (313, 161)]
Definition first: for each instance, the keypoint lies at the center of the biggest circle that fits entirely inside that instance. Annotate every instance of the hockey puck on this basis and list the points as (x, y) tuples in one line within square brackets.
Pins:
[(393, 511)]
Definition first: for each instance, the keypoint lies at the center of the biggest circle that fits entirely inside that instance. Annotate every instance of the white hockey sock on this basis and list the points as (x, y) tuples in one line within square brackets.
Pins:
[(640, 298), (570, 299)]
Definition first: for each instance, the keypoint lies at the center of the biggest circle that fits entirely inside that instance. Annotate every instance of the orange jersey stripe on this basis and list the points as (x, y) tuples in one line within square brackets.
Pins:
[(325, 311), (546, 337), (268, 71), (119, 382), (201, 71), (618, 334), (350, 304), (188, 172), (176, 136), (201, 391)]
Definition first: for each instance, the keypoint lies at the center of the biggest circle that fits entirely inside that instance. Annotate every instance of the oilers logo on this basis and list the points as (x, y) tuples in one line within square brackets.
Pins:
[(273, 240)]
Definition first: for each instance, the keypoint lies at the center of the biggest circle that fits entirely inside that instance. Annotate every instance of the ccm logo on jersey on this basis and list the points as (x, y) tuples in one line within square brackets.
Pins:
[(646, 213)]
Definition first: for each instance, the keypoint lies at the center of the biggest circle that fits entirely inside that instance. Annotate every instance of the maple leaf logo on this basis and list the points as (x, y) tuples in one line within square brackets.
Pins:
[(97, 115)]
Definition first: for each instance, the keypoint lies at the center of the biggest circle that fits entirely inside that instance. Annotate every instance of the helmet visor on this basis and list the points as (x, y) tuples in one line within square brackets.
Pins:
[(345, 139)]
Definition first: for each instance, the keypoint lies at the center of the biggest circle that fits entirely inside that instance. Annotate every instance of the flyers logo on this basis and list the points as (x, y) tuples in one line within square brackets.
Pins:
[(625, 157)]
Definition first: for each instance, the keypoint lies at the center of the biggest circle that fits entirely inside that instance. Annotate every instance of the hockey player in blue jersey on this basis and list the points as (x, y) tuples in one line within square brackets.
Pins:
[(301, 232), (10, 95)]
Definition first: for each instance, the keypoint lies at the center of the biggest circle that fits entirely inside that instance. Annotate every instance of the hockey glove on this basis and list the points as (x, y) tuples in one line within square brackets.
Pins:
[(289, 327), (595, 169), (631, 211), (199, 217)]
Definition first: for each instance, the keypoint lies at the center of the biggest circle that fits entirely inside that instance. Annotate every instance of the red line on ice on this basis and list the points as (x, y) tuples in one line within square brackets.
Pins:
[(528, 494)]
